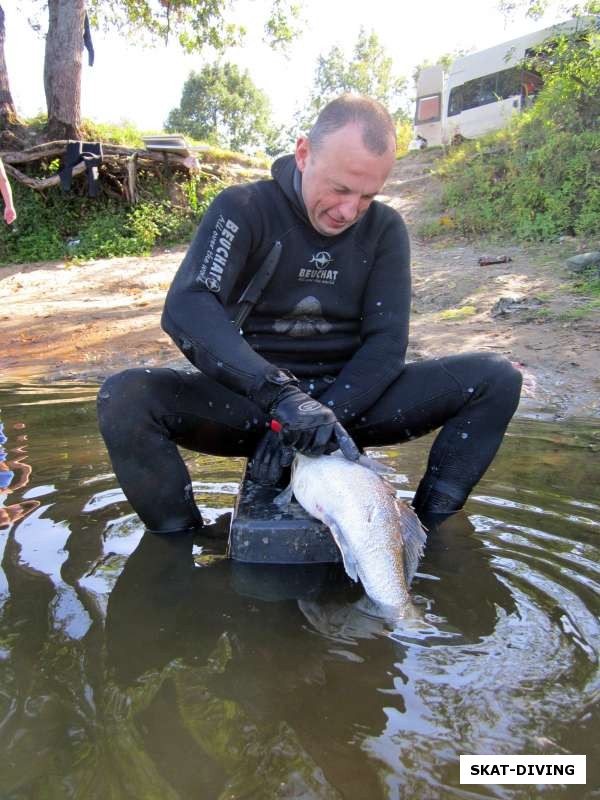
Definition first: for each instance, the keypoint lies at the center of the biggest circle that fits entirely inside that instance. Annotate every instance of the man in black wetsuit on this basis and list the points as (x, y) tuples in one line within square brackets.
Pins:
[(325, 344)]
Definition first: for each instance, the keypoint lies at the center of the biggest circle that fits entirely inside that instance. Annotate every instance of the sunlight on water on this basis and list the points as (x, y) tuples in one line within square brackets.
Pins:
[(136, 666)]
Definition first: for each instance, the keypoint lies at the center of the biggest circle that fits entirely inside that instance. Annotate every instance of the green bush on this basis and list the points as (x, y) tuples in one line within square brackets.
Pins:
[(52, 226), (55, 225), (540, 177), (498, 185)]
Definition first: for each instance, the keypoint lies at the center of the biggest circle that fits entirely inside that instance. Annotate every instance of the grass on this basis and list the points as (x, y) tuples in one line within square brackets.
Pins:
[(588, 283), (54, 225), (456, 314), (581, 312)]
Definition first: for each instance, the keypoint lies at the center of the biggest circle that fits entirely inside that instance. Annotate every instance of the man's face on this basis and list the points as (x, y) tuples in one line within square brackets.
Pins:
[(340, 178)]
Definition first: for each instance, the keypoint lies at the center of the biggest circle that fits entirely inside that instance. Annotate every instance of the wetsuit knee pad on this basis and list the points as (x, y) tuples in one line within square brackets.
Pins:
[(134, 393), (505, 381), (498, 380)]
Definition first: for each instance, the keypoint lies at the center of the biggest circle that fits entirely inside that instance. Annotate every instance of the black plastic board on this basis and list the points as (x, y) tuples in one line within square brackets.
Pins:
[(263, 533)]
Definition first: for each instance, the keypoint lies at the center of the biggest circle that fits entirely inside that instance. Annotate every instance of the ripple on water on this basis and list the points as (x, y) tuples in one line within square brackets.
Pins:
[(501, 658), (505, 692)]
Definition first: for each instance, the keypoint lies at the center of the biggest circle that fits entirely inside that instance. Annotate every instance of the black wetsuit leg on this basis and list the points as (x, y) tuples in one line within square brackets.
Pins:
[(146, 414), (471, 397)]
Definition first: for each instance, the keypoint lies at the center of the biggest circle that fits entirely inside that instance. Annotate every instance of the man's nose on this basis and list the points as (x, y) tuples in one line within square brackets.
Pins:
[(348, 209)]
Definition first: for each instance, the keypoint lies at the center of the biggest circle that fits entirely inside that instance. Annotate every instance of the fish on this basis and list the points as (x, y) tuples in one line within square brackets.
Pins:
[(379, 536)]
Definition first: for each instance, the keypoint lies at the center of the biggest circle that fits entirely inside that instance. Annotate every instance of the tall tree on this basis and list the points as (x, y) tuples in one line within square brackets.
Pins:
[(369, 71), (222, 105), (193, 23), (62, 67), (8, 112)]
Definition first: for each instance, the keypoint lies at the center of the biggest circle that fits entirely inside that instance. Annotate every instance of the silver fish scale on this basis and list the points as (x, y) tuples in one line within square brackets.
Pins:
[(365, 518)]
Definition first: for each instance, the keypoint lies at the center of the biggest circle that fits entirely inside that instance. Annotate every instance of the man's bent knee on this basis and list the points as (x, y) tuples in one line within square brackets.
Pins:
[(505, 380), (128, 396), (132, 389)]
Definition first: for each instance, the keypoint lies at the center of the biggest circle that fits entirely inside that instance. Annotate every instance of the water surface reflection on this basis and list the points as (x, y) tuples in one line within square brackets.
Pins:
[(137, 666)]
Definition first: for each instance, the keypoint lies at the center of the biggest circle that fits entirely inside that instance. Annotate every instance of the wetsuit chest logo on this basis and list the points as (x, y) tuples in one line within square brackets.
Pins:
[(319, 269)]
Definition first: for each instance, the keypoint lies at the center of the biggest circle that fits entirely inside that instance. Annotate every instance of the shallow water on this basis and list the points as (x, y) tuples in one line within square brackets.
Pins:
[(133, 667)]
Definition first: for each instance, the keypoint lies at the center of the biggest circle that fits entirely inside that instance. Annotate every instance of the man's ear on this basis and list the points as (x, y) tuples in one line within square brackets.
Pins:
[(302, 152)]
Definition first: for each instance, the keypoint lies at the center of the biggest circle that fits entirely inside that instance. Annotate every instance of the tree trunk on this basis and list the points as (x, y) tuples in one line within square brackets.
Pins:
[(8, 112), (62, 68)]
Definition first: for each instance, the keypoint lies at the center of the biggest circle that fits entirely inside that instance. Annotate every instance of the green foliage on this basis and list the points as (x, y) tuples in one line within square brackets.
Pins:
[(53, 225), (222, 105), (540, 177), (284, 24), (404, 135), (534, 9), (570, 69), (581, 312), (37, 124), (195, 24), (588, 283), (431, 229), (456, 314), (369, 71), (125, 133)]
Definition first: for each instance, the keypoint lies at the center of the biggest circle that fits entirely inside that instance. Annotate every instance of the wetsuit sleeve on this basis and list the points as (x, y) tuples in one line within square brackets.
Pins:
[(384, 329), (195, 314)]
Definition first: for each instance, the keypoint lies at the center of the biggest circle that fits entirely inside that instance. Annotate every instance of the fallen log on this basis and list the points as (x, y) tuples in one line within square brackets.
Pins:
[(58, 148), (120, 164), (117, 159), (39, 183)]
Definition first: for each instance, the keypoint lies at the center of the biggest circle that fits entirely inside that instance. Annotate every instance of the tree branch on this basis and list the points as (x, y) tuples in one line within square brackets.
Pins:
[(39, 183)]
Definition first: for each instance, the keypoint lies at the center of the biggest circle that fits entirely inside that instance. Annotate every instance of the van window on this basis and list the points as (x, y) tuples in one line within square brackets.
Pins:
[(429, 109), (484, 90), (455, 101), (509, 82), (531, 83)]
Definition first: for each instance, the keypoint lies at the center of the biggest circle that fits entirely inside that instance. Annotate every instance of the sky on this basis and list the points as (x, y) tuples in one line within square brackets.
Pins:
[(132, 83)]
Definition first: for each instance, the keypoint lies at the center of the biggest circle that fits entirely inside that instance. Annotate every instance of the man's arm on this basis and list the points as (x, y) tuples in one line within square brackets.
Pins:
[(10, 214), (195, 313), (384, 330), (196, 317)]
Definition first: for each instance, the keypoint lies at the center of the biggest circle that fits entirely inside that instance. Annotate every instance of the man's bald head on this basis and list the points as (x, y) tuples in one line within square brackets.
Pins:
[(376, 124)]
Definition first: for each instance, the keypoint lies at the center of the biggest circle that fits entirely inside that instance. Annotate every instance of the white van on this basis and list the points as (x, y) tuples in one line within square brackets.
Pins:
[(481, 91)]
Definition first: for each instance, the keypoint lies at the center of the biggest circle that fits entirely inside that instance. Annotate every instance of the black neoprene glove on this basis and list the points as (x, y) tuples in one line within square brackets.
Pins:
[(305, 423), (270, 458), (308, 425)]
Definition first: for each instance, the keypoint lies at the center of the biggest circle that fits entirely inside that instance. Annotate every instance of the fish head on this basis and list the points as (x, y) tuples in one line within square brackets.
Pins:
[(301, 467)]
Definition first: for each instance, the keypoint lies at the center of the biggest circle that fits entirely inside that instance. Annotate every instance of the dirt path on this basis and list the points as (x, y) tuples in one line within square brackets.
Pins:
[(82, 322)]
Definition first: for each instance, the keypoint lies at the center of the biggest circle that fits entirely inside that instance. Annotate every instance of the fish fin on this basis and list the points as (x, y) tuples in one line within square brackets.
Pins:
[(368, 462), (284, 498), (375, 466), (350, 564), (414, 540)]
